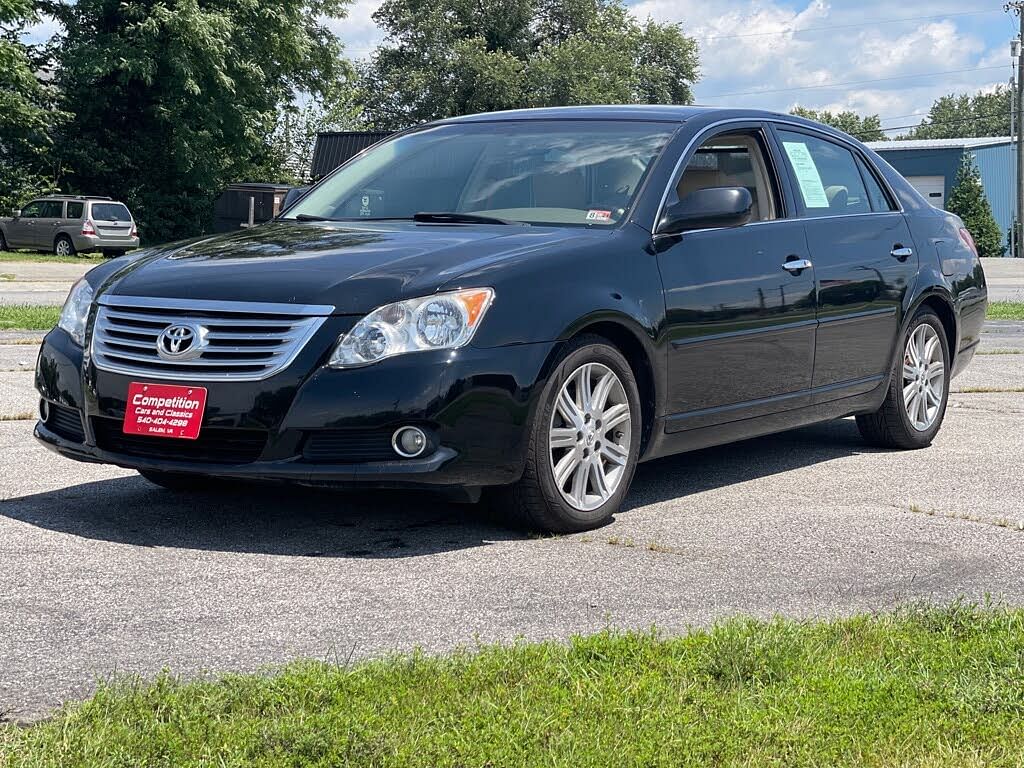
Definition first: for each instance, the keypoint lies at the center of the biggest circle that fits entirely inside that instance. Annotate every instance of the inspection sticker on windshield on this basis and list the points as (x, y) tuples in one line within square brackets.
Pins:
[(164, 410), (806, 174), (599, 215)]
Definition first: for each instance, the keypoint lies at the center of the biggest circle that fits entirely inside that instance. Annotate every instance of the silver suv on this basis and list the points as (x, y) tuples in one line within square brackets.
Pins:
[(64, 225)]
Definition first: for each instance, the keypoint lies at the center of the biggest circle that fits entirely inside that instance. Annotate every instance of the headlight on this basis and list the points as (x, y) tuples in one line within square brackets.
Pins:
[(441, 321), (75, 313)]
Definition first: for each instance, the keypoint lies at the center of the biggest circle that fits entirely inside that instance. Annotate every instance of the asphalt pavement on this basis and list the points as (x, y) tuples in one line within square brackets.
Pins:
[(102, 573)]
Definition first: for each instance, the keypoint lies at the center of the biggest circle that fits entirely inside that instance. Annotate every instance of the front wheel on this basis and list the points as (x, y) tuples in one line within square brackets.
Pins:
[(915, 404), (583, 443)]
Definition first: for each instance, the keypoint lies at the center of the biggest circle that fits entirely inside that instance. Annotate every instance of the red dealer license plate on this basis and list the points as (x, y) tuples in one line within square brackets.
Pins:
[(164, 410)]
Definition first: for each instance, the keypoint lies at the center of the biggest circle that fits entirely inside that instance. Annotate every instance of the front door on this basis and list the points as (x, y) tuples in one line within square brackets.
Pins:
[(864, 261), (739, 321), (21, 232)]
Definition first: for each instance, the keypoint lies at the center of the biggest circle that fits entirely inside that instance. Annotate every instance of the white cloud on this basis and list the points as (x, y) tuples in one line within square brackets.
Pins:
[(358, 31)]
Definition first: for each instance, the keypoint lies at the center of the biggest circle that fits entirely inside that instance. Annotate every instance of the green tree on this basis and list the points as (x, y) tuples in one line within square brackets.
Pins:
[(867, 128), (26, 115), (455, 57), (174, 99), (963, 115), (968, 201)]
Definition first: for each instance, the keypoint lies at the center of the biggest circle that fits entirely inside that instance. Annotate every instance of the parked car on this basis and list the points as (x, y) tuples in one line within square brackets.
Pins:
[(531, 302), (65, 225)]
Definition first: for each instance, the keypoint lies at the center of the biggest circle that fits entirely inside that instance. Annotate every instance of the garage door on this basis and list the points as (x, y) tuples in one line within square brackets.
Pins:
[(932, 187)]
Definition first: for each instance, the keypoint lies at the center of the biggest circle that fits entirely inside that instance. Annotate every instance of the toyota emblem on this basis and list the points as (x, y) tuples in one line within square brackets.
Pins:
[(181, 342)]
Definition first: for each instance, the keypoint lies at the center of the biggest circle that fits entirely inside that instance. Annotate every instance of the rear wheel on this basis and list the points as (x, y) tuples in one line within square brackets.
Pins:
[(915, 404), (63, 246), (583, 443), (182, 482)]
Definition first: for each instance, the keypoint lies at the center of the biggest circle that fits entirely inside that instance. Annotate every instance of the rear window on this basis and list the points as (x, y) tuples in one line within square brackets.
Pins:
[(75, 210), (110, 212)]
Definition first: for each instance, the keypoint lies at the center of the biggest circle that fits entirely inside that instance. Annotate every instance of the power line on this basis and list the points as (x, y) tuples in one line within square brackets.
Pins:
[(852, 82), (848, 26)]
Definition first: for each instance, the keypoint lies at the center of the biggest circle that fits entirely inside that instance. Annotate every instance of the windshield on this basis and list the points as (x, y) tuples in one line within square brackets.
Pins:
[(582, 173)]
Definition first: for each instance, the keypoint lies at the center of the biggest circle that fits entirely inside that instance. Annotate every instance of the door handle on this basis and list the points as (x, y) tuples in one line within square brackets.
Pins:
[(900, 252), (796, 266)]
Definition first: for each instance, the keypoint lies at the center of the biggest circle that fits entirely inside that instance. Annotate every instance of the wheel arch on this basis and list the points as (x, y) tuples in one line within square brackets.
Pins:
[(627, 336), (941, 303)]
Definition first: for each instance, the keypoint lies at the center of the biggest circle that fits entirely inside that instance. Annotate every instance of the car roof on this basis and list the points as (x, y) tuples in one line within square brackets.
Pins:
[(675, 113)]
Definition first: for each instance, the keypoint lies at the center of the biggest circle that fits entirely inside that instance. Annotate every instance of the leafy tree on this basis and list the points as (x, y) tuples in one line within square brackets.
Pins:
[(300, 122), (454, 57), (174, 99), (26, 118), (963, 115), (867, 128), (968, 201)]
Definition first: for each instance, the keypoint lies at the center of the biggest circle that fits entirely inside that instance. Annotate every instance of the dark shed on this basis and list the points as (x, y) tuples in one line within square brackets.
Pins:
[(232, 208), (334, 148)]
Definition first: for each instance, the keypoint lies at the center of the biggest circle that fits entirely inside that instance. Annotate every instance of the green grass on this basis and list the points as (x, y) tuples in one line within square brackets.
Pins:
[(923, 687), (50, 258), (1005, 310), (27, 317)]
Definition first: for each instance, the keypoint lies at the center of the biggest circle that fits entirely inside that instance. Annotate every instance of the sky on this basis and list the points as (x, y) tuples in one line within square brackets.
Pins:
[(818, 54)]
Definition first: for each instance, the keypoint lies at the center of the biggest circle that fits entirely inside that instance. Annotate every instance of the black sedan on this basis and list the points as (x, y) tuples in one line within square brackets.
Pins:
[(529, 303)]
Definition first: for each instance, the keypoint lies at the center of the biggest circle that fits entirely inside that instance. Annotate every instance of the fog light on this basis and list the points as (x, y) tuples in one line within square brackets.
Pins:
[(44, 411), (409, 442)]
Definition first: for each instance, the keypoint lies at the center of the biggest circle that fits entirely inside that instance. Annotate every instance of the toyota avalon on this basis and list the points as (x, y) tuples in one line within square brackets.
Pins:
[(527, 303)]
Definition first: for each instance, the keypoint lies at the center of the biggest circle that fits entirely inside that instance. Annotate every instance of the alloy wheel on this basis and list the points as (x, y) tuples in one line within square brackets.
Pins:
[(924, 377), (63, 247), (589, 436)]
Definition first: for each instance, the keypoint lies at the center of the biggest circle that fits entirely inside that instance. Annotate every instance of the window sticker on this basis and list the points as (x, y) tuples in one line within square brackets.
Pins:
[(806, 174), (599, 215)]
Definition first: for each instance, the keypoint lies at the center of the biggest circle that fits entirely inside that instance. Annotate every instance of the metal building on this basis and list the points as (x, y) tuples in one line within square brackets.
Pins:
[(931, 165), (334, 148)]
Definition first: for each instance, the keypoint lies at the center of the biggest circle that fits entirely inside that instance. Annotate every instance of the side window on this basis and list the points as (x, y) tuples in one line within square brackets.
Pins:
[(75, 210), (732, 160), (879, 200), (825, 176), (52, 209), (31, 211)]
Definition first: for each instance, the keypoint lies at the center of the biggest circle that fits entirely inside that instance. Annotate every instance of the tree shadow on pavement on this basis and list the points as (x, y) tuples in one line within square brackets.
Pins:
[(293, 521)]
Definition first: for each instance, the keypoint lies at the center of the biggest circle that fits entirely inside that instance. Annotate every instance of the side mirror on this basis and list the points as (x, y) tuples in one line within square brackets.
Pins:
[(16, 213), (708, 209), (294, 195)]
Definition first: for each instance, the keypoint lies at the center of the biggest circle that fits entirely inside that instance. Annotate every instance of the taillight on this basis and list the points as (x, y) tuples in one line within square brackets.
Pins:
[(969, 241), (88, 228), (135, 231)]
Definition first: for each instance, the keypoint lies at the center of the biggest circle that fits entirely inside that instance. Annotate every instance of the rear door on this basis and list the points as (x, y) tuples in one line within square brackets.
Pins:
[(51, 217), (740, 316), (112, 221), (863, 255)]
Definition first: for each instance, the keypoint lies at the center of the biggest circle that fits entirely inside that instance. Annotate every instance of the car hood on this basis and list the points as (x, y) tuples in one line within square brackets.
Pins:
[(353, 267)]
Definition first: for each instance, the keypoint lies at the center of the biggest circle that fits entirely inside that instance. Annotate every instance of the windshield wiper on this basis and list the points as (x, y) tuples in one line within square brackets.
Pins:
[(460, 218), (307, 217)]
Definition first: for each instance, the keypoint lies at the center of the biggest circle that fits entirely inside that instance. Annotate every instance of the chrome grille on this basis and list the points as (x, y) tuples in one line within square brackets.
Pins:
[(241, 341)]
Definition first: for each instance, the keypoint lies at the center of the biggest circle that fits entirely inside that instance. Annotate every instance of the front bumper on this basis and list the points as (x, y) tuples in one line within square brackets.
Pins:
[(475, 404)]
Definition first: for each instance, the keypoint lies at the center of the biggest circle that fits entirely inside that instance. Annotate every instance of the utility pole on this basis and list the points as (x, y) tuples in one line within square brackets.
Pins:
[(1017, 7)]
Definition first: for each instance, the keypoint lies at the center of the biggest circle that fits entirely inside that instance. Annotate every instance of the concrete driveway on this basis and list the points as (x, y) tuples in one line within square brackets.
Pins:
[(103, 573)]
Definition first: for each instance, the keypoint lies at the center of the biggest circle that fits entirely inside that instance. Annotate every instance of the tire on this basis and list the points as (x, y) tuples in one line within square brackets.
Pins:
[(63, 246), (3, 243), (892, 425), (537, 502), (181, 482)]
